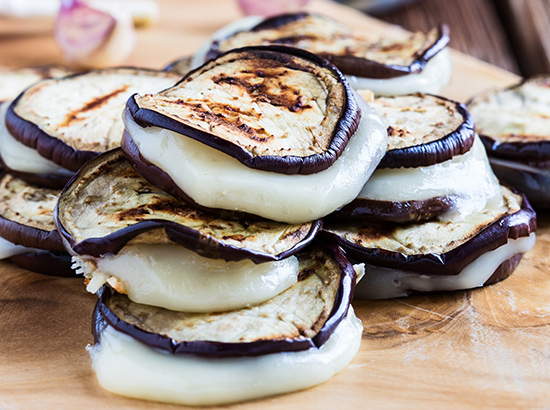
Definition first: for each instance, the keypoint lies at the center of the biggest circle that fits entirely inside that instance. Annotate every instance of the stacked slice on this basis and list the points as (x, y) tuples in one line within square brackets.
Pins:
[(402, 64), (202, 303), (514, 126), (433, 216), (46, 134)]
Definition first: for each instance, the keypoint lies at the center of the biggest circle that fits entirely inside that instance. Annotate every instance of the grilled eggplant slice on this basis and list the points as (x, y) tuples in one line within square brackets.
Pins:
[(14, 81), (70, 120), (108, 204), (272, 108), (26, 214), (514, 126), (353, 53), (167, 159), (423, 129), (401, 64), (296, 340), (430, 168), (435, 255), (28, 234)]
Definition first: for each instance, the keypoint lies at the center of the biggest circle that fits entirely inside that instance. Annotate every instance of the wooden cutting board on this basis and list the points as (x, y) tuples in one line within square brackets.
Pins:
[(487, 348)]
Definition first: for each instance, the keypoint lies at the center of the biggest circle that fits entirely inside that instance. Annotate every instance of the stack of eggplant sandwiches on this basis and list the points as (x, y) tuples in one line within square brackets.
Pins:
[(50, 124), (198, 233), (433, 216)]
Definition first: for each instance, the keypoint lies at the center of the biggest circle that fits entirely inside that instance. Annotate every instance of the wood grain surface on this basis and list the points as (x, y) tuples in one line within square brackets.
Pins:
[(486, 348)]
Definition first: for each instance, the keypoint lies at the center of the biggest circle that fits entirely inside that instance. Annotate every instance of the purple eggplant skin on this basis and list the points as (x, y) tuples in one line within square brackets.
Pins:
[(187, 237), (351, 65), (535, 185), (517, 151), (49, 147), (103, 317), (51, 181), (367, 210), (457, 142), (346, 125), (29, 236), (519, 224), (46, 263)]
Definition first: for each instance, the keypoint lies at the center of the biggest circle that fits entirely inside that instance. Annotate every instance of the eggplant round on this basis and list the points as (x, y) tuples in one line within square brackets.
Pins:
[(423, 129), (302, 317), (276, 109), (108, 204), (51, 181), (71, 120), (48, 263), (513, 122), (436, 247), (352, 52), (26, 214)]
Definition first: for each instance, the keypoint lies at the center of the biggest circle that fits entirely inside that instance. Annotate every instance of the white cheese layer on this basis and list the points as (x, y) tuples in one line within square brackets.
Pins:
[(19, 157), (436, 73), (385, 283), (129, 368), (175, 278), (216, 180), (468, 178), (9, 249)]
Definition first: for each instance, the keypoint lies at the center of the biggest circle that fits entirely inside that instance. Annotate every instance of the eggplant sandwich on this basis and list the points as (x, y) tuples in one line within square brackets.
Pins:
[(480, 249), (514, 126), (28, 237), (391, 65), (198, 309), (56, 125), (270, 131), (435, 165)]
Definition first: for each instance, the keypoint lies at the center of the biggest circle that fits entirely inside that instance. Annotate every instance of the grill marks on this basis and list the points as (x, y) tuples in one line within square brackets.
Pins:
[(76, 115)]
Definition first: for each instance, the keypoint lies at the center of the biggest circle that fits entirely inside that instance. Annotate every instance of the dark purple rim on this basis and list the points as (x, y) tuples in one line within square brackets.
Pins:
[(47, 146), (29, 236), (538, 151), (351, 65), (103, 317), (346, 125), (457, 142), (48, 263), (496, 234), (370, 210), (187, 237)]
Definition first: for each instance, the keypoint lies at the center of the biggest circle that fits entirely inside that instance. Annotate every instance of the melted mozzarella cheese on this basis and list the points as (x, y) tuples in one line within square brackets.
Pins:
[(19, 157), (176, 278), (436, 73), (194, 166), (129, 368), (385, 283), (468, 178)]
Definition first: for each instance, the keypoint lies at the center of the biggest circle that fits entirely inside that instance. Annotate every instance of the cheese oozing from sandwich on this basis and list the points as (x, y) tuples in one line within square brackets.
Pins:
[(127, 367), (176, 278)]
